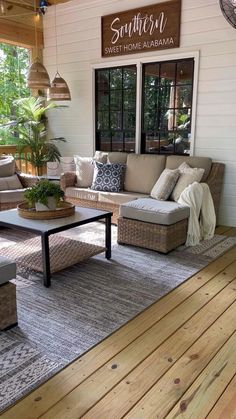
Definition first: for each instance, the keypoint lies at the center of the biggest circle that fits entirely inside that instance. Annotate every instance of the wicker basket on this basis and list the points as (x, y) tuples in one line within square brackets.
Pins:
[(65, 210), (8, 315)]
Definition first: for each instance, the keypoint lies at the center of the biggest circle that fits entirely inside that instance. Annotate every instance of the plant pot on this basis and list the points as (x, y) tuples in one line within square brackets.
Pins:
[(51, 206)]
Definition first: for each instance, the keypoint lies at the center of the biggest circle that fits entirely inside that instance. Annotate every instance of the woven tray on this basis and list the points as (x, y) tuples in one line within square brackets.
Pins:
[(65, 210)]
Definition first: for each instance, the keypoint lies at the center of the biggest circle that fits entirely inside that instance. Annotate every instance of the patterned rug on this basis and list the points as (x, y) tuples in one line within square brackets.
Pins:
[(85, 303)]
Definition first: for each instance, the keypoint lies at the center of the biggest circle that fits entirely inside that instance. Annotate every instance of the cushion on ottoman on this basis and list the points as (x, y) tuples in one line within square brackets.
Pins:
[(154, 211)]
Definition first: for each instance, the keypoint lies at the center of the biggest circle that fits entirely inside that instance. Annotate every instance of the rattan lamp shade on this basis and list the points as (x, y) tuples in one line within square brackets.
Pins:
[(59, 89), (38, 77)]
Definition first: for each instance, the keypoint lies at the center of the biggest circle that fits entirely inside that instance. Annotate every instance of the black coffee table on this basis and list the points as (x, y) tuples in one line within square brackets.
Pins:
[(45, 228)]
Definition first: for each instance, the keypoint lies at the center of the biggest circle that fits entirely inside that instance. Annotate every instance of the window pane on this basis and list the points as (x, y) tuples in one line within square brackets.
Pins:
[(185, 72), (183, 96), (103, 80), (105, 140), (116, 100), (116, 78), (103, 100), (102, 120), (129, 99), (129, 120), (129, 142), (129, 78), (116, 120), (117, 141)]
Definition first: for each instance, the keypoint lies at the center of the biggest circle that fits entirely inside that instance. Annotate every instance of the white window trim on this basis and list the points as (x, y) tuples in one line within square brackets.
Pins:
[(138, 62)]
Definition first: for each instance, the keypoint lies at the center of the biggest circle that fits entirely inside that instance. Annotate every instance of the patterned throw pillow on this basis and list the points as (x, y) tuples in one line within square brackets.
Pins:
[(188, 175), (108, 177), (165, 184)]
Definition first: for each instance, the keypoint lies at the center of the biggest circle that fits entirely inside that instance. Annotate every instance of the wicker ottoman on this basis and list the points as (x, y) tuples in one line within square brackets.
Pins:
[(8, 313), (152, 224)]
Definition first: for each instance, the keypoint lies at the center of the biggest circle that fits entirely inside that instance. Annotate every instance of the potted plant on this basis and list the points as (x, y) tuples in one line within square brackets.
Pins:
[(44, 196), (30, 127)]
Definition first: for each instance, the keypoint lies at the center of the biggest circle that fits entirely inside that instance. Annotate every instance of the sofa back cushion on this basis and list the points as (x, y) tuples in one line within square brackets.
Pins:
[(173, 162), (10, 183), (7, 166), (117, 157), (142, 172)]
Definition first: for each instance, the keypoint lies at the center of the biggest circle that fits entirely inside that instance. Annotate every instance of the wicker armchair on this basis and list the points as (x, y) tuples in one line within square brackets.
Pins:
[(12, 183)]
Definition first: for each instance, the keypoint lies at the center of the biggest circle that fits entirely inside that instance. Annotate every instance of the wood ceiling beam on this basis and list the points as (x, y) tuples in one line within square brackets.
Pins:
[(15, 33)]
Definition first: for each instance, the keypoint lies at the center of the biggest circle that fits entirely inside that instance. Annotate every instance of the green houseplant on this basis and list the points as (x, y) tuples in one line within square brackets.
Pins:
[(44, 196), (30, 127)]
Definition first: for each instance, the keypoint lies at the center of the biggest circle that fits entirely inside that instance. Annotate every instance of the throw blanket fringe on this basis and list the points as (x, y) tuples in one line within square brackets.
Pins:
[(202, 220)]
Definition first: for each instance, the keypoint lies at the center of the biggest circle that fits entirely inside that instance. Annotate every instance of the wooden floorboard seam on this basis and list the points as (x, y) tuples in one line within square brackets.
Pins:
[(222, 258), (166, 398), (162, 344)]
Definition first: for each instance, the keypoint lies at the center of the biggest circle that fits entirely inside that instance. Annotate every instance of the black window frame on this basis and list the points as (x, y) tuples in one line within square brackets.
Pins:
[(123, 131), (158, 132)]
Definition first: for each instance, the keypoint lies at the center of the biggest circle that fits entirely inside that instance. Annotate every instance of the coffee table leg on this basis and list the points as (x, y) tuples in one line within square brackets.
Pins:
[(46, 261), (108, 237)]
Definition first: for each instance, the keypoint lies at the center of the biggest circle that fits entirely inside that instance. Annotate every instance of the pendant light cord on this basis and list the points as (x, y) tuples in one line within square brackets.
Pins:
[(35, 30), (55, 22)]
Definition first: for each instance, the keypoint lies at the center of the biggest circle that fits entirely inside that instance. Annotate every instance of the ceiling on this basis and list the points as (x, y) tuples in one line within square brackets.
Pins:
[(22, 11)]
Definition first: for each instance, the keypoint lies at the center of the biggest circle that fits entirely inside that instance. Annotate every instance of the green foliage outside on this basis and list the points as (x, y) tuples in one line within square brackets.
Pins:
[(30, 124), (14, 63)]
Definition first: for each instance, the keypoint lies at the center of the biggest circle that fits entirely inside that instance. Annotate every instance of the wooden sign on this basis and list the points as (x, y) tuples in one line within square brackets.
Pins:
[(148, 28)]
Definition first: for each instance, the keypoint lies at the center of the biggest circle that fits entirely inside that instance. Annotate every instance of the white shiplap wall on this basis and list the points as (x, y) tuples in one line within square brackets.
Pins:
[(203, 29)]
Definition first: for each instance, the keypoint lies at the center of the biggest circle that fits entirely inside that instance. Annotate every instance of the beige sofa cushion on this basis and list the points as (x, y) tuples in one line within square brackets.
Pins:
[(81, 193), (117, 157), (153, 211), (173, 162), (7, 166), (84, 171), (16, 195), (186, 178), (118, 198), (165, 184), (142, 172), (9, 183)]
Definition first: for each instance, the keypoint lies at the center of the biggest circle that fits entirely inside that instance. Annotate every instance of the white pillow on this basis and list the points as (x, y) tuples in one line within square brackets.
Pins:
[(165, 184), (84, 171), (10, 183), (188, 175)]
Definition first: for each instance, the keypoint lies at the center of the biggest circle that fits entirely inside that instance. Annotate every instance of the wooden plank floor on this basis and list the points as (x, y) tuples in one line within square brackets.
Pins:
[(177, 359)]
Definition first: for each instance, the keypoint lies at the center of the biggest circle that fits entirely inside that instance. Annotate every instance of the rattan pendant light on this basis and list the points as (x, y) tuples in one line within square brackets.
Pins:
[(38, 77), (59, 89)]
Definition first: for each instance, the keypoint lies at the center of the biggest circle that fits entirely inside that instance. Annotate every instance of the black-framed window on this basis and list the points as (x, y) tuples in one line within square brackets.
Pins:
[(167, 106), (115, 90)]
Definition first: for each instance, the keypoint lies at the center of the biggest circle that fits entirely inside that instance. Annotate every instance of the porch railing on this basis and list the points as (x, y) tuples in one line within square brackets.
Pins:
[(23, 165)]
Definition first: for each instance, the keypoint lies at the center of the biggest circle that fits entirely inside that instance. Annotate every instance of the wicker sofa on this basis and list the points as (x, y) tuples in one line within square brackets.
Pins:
[(142, 172), (12, 183)]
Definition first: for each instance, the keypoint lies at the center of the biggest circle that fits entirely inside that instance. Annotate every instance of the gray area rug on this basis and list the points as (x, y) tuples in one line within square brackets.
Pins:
[(85, 303)]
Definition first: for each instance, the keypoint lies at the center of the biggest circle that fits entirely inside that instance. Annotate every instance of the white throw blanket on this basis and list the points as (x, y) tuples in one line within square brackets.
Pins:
[(202, 220)]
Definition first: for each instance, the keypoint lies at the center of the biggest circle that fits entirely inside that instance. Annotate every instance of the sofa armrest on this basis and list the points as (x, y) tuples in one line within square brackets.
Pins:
[(27, 181), (67, 179), (215, 181)]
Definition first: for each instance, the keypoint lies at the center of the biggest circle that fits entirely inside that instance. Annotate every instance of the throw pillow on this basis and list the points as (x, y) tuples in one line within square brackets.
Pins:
[(100, 156), (188, 175), (84, 171), (7, 166), (165, 184), (108, 177), (10, 183)]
